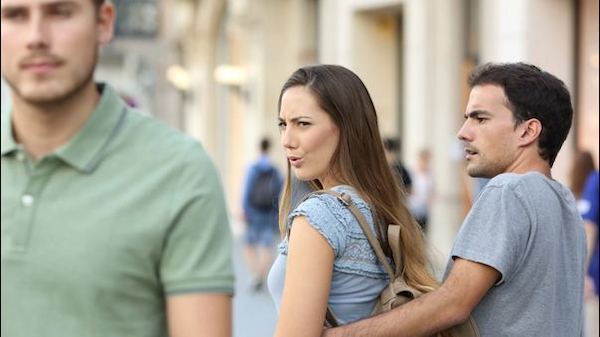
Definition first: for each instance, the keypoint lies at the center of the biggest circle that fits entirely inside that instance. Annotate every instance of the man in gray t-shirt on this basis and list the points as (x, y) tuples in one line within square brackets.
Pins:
[(518, 260)]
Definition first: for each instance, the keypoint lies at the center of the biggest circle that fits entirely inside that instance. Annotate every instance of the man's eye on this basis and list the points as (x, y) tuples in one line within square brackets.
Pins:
[(303, 124), (61, 11), (13, 15), (281, 125)]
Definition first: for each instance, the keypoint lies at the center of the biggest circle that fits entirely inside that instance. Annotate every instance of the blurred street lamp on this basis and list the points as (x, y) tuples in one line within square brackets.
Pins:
[(179, 77), (230, 75)]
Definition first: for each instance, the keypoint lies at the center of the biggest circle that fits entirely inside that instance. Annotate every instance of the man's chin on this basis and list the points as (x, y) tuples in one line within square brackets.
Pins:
[(477, 172), (42, 98), (44, 93)]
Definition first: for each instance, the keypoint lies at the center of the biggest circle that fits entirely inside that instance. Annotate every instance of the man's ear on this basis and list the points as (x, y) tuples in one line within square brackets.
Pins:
[(530, 131), (106, 22)]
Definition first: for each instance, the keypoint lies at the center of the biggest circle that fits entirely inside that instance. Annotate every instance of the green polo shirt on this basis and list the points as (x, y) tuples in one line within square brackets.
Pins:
[(95, 235)]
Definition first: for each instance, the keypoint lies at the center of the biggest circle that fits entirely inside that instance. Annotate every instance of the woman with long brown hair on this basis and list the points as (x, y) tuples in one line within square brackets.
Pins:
[(330, 134)]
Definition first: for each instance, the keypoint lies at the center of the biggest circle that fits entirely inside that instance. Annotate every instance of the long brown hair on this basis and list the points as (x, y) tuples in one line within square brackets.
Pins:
[(359, 161)]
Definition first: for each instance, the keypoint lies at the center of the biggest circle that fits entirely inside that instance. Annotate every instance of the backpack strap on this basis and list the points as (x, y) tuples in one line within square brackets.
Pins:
[(393, 235)]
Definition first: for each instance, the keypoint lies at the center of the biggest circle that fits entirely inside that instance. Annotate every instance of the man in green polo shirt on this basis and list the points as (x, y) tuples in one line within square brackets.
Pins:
[(112, 223)]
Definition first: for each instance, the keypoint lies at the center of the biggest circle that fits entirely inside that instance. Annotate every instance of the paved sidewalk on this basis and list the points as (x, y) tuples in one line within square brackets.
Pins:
[(254, 313)]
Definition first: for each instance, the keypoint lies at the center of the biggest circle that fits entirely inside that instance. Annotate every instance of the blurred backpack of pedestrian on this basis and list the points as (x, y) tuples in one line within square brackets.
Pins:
[(260, 198), (584, 184), (392, 149)]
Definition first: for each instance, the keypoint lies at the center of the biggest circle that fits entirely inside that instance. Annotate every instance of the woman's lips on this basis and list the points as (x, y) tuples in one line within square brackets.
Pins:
[(295, 161)]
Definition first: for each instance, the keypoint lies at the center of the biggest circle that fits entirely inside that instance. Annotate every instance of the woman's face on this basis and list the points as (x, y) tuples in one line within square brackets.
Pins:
[(308, 135)]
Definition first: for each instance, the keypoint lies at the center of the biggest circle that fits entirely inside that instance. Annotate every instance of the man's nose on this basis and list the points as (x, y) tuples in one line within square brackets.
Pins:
[(463, 133), (37, 36)]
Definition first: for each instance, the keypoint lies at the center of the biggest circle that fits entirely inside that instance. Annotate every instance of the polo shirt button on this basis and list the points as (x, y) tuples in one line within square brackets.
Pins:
[(27, 200), (20, 156)]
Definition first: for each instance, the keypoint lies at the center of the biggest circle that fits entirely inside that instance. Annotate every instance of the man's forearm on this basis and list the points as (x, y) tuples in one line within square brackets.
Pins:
[(421, 317)]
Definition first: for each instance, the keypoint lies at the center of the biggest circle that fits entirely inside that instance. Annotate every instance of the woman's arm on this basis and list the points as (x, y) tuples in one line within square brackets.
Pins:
[(307, 282)]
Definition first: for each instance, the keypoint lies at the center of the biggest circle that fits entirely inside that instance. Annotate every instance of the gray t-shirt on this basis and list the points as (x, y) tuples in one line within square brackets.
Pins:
[(527, 227)]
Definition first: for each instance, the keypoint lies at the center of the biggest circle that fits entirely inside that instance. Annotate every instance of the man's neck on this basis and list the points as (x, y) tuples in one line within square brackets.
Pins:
[(531, 163), (43, 128)]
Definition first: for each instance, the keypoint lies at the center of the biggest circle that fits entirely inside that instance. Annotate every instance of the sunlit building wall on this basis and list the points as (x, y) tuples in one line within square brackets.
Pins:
[(239, 53), (587, 76)]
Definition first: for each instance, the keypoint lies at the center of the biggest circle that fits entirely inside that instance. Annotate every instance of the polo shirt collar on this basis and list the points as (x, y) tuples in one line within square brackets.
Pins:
[(85, 151)]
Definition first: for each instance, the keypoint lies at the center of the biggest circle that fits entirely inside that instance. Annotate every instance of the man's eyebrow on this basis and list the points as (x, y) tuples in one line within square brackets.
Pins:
[(59, 3), (11, 8), (477, 114), (20, 7)]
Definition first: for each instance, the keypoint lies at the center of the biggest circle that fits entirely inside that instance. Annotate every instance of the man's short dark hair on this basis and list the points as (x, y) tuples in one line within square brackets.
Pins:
[(99, 3), (532, 93), (265, 145)]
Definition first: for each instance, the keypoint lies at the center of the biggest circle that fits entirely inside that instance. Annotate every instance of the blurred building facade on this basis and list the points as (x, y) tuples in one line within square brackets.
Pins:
[(214, 69), (139, 58)]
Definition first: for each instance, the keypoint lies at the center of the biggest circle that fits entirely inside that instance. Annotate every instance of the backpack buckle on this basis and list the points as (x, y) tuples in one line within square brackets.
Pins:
[(345, 199)]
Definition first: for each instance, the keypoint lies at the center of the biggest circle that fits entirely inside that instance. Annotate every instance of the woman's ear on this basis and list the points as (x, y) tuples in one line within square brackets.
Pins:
[(531, 130)]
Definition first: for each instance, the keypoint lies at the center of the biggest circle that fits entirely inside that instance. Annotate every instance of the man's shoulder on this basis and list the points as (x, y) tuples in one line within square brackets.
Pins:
[(151, 140), (152, 130), (515, 180), (514, 186)]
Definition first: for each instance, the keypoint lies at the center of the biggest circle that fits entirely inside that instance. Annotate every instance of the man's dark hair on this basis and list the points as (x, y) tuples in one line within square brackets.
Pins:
[(532, 93), (99, 3), (265, 145)]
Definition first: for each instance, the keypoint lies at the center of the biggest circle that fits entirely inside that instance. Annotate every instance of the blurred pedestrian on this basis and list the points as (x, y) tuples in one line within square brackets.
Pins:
[(583, 166), (392, 155), (422, 190), (260, 203), (518, 260), (330, 135), (585, 191), (113, 224)]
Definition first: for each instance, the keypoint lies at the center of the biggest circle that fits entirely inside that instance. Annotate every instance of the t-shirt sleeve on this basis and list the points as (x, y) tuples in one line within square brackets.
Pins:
[(197, 249), (496, 232), (323, 212)]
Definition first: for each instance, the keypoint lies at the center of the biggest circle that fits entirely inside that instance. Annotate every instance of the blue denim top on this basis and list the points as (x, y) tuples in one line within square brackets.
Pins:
[(358, 277)]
